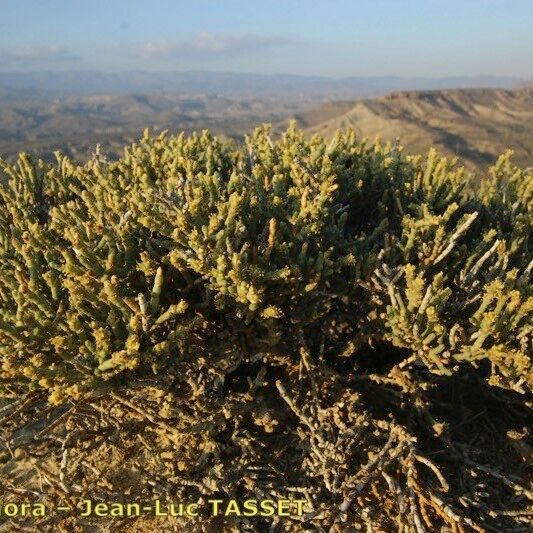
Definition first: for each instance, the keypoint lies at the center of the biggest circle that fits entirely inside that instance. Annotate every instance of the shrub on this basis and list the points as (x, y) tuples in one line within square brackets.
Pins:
[(189, 252), (320, 318)]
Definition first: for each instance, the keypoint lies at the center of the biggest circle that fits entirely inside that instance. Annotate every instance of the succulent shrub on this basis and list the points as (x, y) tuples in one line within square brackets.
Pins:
[(191, 251)]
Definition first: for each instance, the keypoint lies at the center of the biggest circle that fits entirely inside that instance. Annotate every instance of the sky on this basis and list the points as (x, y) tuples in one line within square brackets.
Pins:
[(432, 38)]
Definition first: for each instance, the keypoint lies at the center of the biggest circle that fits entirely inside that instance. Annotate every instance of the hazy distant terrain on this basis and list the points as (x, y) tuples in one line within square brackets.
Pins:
[(41, 112), (476, 124), (75, 124), (237, 85)]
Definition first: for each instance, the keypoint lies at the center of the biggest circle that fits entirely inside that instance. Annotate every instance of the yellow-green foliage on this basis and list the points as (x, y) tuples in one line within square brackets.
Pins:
[(189, 249)]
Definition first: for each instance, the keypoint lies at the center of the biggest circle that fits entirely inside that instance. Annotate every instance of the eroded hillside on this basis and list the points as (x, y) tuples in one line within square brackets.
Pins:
[(477, 124)]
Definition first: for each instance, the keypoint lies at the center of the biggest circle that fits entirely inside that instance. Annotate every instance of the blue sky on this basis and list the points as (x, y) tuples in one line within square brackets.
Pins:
[(319, 37)]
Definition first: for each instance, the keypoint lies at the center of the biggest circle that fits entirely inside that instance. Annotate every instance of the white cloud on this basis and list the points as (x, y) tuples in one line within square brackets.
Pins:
[(208, 44), (30, 55)]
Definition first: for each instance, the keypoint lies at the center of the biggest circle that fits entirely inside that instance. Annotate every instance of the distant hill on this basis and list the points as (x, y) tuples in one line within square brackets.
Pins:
[(230, 84), (43, 122), (477, 124)]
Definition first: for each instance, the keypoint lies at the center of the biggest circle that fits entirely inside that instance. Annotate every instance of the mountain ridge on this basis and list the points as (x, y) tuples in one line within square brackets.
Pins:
[(233, 84), (476, 124)]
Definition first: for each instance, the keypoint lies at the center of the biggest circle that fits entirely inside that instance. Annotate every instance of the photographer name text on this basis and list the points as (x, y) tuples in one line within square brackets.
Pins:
[(159, 508)]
